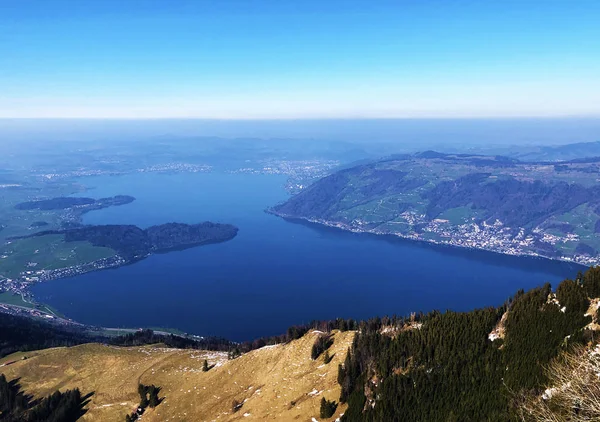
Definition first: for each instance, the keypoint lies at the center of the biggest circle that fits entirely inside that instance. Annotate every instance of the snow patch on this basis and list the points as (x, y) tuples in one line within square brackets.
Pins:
[(548, 393), (552, 299), (270, 346)]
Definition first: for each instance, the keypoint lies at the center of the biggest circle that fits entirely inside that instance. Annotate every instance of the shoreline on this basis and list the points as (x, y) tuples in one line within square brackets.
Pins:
[(399, 236), (89, 329), (333, 226), (114, 262)]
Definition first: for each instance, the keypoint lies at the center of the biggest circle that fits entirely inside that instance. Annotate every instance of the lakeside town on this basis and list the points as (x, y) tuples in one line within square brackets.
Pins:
[(174, 167), (301, 173), (494, 237), (20, 285)]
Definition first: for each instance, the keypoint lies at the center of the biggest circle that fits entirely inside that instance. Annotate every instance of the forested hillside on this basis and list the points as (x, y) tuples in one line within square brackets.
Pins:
[(481, 365), (19, 333), (17, 405)]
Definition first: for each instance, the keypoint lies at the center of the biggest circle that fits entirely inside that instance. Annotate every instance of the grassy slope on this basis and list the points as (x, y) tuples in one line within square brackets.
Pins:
[(269, 379)]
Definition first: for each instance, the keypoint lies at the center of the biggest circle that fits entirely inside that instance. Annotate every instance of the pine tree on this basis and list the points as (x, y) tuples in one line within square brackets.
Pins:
[(327, 408), (234, 353), (153, 402), (142, 391)]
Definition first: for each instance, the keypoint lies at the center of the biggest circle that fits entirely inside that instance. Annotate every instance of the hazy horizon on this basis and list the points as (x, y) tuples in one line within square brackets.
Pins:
[(424, 133)]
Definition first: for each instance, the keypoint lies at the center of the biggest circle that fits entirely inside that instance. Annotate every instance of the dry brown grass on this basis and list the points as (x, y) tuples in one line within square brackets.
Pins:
[(592, 311), (268, 380), (573, 393)]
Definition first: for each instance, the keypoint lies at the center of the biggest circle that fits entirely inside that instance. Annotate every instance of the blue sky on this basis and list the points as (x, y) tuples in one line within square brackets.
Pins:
[(299, 59)]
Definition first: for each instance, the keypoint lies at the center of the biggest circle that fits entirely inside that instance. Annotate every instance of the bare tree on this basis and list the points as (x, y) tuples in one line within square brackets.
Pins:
[(573, 393)]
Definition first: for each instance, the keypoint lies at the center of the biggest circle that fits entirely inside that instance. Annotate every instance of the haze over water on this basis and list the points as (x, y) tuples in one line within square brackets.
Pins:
[(275, 273)]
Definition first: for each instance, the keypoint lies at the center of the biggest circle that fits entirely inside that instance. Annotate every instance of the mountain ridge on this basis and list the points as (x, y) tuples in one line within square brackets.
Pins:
[(486, 364)]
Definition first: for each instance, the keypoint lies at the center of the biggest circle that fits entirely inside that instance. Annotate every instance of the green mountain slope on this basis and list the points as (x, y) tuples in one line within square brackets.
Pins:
[(485, 202)]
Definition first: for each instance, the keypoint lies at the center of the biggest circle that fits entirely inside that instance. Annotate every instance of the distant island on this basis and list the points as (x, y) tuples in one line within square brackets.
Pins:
[(495, 203)]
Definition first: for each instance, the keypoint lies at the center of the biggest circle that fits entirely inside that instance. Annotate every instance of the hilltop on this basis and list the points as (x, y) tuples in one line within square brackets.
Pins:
[(279, 382), (547, 209)]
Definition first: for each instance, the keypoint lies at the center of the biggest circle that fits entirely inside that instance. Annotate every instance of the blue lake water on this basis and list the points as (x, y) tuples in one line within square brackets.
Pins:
[(275, 273)]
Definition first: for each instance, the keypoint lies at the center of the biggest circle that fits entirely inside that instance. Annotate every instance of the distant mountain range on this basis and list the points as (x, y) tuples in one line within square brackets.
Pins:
[(535, 153), (497, 203), (559, 153)]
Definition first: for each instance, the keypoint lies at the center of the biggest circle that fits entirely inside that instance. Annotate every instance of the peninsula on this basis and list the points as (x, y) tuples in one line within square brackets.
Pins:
[(97, 247)]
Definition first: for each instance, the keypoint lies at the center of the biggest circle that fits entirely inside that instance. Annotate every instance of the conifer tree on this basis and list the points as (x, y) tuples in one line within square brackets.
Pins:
[(327, 408)]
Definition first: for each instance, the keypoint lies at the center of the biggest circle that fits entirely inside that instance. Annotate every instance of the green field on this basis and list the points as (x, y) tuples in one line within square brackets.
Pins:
[(12, 299), (115, 332), (583, 219), (18, 222), (458, 215), (47, 252), (17, 300)]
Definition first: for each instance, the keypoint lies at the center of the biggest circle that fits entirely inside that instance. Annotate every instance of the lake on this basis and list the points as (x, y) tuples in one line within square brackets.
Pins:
[(275, 273)]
